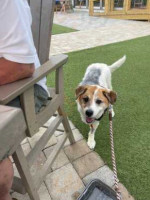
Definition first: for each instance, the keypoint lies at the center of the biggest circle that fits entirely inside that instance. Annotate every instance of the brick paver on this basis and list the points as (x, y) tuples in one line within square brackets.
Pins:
[(77, 136), (104, 174), (61, 159), (63, 183), (88, 164), (49, 121), (124, 192), (82, 21), (37, 136), (60, 127), (24, 141), (26, 148), (77, 150), (58, 133), (43, 193)]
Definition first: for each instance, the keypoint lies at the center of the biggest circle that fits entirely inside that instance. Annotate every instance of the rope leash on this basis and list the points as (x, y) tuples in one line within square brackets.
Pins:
[(118, 194)]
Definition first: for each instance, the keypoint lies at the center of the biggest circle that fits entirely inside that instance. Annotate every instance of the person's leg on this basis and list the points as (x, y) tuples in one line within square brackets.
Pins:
[(40, 97), (6, 178)]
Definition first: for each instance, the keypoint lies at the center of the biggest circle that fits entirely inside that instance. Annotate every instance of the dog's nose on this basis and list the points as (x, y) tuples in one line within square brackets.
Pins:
[(89, 113)]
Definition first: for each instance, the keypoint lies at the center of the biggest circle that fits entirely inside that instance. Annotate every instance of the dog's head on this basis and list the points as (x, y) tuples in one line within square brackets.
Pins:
[(92, 102)]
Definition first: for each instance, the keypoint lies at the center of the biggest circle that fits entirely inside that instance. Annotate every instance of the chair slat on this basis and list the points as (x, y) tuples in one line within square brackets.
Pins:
[(45, 29), (38, 178), (43, 141), (28, 106), (25, 174), (35, 6)]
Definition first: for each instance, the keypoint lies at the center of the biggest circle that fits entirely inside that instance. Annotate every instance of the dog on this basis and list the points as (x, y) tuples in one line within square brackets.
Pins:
[(94, 95)]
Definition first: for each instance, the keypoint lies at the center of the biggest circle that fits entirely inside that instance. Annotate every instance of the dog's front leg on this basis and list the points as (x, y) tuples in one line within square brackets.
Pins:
[(91, 137)]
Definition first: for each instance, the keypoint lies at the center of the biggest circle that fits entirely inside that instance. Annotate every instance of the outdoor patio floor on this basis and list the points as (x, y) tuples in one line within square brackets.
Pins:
[(75, 166), (94, 31)]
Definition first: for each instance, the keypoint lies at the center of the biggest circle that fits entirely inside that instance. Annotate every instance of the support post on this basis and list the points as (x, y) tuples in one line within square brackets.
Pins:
[(91, 7), (107, 7)]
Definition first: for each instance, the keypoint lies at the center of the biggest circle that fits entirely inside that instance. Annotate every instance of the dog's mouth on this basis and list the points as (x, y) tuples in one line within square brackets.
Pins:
[(89, 120)]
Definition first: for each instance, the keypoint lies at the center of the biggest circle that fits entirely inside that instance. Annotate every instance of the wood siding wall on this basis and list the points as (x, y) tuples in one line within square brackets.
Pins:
[(126, 13)]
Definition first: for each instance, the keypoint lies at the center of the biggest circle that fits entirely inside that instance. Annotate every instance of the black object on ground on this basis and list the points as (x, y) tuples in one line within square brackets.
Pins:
[(97, 190)]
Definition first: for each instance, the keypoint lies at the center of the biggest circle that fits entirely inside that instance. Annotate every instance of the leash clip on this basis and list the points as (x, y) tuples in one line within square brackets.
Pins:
[(110, 112), (110, 108)]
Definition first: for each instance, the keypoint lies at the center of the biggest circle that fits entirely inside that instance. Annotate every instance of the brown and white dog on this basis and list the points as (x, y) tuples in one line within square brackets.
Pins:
[(94, 95)]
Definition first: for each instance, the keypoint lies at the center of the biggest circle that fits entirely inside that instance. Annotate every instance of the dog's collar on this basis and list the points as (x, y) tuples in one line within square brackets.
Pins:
[(102, 115)]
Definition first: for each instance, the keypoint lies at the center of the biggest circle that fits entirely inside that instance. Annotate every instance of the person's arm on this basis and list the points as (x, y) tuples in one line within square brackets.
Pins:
[(17, 51), (13, 71)]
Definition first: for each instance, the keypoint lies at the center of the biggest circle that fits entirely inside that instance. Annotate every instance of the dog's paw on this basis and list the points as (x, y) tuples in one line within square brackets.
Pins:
[(91, 144)]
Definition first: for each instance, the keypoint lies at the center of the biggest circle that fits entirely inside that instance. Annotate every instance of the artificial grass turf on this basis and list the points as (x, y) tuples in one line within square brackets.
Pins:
[(132, 119), (58, 29)]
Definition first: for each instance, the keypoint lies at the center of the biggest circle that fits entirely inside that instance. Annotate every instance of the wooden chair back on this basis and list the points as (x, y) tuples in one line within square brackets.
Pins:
[(42, 21)]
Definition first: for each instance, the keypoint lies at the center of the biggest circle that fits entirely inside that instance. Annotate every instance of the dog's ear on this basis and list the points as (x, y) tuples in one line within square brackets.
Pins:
[(80, 90), (111, 96)]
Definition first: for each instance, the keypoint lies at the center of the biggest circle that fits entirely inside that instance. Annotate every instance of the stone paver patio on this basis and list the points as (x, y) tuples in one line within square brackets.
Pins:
[(82, 21), (94, 31), (73, 169)]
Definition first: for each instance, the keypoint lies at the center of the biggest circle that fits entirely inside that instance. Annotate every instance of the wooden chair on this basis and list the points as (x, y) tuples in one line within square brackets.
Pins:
[(25, 89)]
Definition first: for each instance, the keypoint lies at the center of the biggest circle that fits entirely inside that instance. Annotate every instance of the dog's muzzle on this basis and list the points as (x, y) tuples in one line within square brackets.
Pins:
[(90, 120), (89, 114)]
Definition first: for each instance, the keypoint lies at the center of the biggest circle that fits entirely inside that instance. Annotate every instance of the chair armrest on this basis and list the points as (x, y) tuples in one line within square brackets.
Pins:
[(9, 91)]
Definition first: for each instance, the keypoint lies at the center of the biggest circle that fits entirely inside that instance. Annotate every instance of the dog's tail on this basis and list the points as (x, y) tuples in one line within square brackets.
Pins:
[(117, 64)]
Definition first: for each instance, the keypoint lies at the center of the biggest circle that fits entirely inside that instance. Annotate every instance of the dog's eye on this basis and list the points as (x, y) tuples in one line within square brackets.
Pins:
[(86, 99), (98, 101)]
